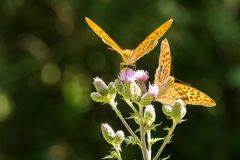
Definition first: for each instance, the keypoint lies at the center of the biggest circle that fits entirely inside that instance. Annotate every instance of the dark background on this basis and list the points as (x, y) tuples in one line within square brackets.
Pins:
[(49, 57)]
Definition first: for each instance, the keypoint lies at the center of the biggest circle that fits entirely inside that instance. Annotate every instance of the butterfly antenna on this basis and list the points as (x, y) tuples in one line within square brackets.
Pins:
[(110, 48), (172, 70), (178, 80)]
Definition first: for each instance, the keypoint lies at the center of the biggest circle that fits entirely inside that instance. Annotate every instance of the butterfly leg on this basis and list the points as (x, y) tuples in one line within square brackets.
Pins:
[(126, 65)]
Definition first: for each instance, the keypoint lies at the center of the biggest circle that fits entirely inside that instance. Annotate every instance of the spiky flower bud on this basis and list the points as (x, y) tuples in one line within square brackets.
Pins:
[(167, 110), (153, 90), (127, 90), (142, 86), (149, 115), (97, 97), (111, 88), (119, 86), (108, 133), (100, 86), (179, 110), (135, 92), (119, 137), (175, 112), (146, 99)]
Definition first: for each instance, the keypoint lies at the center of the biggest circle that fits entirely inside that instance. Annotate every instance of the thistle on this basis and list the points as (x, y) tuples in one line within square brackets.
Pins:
[(134, 88)]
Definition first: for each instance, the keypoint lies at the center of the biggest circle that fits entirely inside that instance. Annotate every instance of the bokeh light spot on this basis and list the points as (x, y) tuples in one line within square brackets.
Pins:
[(234, 76), (77, 89), (5, 107), (57, 152), (50, 74)]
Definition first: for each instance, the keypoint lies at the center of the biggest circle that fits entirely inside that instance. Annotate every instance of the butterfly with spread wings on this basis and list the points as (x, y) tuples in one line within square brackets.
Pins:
[(129, 57), (170, 91)]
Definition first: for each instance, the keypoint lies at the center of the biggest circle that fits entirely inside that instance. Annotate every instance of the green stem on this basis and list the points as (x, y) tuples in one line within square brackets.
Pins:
[(119, 157), (149, 145), (166, 139), (118, 113), (131, 105), (142, 135)]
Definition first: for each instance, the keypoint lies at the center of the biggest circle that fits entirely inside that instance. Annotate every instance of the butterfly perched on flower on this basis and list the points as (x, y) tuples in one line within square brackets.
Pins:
[(129, 56), (169, 90)]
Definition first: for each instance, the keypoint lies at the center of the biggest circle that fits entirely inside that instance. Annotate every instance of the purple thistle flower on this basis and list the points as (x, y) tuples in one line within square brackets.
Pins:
[(127, 74), (141, 75), (153, 90)]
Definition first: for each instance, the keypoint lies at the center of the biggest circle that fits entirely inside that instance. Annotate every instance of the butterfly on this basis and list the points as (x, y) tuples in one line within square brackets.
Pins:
[(129, 56), (169, 90)]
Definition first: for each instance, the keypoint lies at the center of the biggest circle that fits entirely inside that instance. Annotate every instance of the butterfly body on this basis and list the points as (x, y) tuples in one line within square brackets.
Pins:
[(169, 90), (130, 57)]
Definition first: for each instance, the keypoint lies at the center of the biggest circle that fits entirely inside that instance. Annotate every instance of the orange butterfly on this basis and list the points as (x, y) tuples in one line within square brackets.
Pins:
[(170, 91), (131, 56)]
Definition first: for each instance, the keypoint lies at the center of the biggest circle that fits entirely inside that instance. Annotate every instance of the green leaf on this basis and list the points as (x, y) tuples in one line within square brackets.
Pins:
[(154, 140), (112, 155), (130, 141), (165, 158), (132, 116), (154, 126), (167, 128)]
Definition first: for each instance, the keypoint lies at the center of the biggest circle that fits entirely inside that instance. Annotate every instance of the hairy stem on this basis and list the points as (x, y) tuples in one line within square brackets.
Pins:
[(118, 113), (119, 157), (142, 135), (149, 145), (166, 139), (131, 105)]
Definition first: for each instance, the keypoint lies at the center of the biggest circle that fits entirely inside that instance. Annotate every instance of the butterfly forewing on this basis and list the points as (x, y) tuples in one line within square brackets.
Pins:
[(104, 36), (131, 56), (164, 69), (169, 91), (151, 41)]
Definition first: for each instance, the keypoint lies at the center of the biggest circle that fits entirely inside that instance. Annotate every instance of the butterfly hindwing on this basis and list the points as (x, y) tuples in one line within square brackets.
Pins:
[(170, 91), (188, 94)]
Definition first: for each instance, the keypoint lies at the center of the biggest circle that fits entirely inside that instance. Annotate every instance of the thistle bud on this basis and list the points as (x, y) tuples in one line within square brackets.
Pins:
[(135, 92), (146, 99), (111, 88), (179, 110), (149, 115), (108, 133), (119, 86), (97, 97), (119, 137), (175, 112), (153, 90), (167, 110), (100, 86), (127, 90), (142, 86)]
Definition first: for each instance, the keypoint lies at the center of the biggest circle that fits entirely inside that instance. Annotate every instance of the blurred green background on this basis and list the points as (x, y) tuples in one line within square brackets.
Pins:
[(49, 56)]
